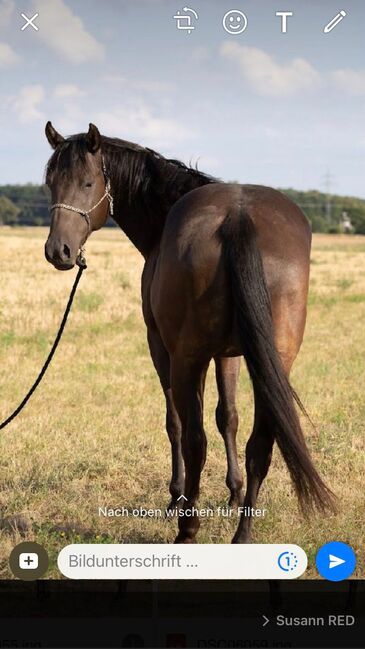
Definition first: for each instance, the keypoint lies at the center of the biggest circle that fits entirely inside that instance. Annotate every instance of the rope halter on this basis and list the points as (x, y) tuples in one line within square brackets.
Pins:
[(86, 213)]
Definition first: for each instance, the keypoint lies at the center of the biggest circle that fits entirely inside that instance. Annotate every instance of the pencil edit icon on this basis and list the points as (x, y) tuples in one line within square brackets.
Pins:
[(335, 21)]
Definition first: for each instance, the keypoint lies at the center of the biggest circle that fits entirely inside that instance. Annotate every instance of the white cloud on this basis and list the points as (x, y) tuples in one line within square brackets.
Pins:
[(27, 102), (350, 81), (266, 76), (68, 91), (137, 123), (64, 32), (139, 84), (134, 122), (7, 56), (6, 11), (71, 119)]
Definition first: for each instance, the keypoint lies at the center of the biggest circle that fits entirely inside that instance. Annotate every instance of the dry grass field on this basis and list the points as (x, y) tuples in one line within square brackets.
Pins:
[(93, 435)]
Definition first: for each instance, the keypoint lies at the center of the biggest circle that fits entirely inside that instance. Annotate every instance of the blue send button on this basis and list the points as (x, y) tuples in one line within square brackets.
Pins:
[(336, 561)]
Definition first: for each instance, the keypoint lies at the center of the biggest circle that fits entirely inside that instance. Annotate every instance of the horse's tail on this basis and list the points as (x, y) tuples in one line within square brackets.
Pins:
[(271, 385)]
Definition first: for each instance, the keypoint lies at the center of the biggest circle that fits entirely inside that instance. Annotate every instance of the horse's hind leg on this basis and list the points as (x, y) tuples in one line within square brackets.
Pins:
[(227, 372), (187, 382), (289, 321), (258, 460), (161, 362)]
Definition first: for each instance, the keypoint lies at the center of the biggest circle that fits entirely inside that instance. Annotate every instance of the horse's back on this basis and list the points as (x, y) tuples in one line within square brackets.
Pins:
[(278, 220)]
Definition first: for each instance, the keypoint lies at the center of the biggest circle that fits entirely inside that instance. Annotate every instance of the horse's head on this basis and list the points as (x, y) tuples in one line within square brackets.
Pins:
[(80, 194)]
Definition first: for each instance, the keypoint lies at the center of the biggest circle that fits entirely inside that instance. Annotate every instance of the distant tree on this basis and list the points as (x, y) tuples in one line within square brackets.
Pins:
[(8, 211), (357, 216), (32, 202), (29, 205), (314, 205)]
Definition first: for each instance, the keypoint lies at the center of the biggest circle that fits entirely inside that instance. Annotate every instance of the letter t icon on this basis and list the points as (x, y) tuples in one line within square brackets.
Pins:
[(284, 19)]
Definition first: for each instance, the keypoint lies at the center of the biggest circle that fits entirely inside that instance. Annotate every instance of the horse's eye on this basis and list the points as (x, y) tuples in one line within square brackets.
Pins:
[(88, 185)]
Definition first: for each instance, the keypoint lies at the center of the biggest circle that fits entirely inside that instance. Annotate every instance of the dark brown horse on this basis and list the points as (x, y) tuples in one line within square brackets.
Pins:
[(226, 274)]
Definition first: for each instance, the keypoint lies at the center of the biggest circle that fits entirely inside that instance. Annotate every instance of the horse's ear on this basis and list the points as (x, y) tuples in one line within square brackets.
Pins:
[(93, 139), (52, 136)]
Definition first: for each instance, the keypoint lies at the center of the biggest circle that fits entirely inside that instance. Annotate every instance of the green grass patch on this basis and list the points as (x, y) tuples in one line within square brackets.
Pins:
[(89, 302), (38, 341), (7, 338), (317, 299), (354, 298), (344, 283)]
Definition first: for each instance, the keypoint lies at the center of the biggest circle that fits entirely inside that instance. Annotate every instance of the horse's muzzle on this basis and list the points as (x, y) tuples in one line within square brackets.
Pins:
[(60, 259)]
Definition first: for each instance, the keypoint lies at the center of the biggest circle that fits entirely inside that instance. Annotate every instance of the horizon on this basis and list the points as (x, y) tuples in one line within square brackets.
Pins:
[(282, 189)]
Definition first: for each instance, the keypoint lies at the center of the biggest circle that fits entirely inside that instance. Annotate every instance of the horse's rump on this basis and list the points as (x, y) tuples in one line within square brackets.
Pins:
[(191, 291)]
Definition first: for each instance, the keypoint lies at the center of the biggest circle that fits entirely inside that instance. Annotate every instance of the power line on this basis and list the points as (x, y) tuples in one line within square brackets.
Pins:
[(328, 184)]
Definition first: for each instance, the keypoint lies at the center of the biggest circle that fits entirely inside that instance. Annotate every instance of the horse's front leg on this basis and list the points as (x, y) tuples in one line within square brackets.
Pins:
[(173, 427), (161, 361), (187, 382)]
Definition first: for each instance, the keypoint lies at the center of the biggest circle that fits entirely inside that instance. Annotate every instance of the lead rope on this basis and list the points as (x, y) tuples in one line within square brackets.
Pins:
[(82, 266), (81, 262)]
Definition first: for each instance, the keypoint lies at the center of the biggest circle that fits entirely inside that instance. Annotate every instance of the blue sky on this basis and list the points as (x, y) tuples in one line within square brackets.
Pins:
[(261, 106)]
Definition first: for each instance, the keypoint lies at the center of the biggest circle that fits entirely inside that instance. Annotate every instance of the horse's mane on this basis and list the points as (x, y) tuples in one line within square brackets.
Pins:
[(70, 152), (135, 171)]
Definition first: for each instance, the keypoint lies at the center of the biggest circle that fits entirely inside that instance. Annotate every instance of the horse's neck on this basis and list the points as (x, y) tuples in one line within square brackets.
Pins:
[(145, 186), (143, 231), (143, 221)]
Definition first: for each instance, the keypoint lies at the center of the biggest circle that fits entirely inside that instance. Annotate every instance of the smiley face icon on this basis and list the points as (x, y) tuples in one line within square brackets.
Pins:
[(234, 22)]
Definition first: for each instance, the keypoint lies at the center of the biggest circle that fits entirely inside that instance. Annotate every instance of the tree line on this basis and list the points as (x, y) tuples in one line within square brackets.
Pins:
[(29, 205)]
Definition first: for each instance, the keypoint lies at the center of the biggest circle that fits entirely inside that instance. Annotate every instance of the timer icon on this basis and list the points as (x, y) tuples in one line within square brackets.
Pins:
[(288, 561)]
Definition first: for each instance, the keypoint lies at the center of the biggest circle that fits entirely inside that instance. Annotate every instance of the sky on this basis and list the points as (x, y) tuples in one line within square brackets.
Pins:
[(261, 106)]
